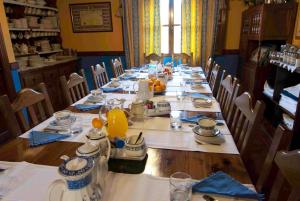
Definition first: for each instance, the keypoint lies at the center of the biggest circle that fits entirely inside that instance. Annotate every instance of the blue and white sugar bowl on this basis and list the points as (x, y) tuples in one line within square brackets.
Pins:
[(135, 147), (76, 184)]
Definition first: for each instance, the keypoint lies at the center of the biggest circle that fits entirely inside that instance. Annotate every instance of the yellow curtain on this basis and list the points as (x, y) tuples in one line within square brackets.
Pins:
[(151, 24), (191, 29)]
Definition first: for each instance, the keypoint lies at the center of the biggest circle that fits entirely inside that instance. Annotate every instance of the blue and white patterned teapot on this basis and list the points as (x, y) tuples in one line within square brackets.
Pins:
[(77, 184)]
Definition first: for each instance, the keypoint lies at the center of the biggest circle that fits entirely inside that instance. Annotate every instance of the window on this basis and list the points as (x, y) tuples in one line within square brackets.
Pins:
[(170, 20)]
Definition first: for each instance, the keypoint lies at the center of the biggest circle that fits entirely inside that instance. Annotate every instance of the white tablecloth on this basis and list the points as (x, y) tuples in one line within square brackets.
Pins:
[(119, 187)]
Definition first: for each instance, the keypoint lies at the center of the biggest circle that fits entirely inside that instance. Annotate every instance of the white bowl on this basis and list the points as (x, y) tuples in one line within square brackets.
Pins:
[(207, 125)]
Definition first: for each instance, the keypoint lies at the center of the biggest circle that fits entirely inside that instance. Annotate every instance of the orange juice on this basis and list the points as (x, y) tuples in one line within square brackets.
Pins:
[(117, 123)]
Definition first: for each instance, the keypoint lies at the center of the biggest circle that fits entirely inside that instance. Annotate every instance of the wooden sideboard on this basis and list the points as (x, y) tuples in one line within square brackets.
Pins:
[(50, 74), (265, 24)]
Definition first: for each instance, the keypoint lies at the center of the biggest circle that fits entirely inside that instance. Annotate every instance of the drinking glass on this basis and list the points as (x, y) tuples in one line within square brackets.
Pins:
[(127, 86), (180, 187), (175, 121)]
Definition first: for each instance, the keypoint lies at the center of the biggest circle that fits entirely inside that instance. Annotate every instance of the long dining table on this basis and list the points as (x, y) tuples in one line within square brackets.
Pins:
[(162, 161)]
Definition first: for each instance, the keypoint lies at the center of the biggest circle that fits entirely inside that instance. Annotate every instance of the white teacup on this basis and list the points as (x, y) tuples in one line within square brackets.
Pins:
[(96, 93), (135, 149), (62, 116), (207, 125)]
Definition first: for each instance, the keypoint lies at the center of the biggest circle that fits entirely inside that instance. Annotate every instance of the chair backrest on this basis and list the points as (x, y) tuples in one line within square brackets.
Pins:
[(208, 67), (184, 58), (153, 57), (215, 79), (117, 67), (288, 164), (29, 108), (228, 91), (75, 88), (244, 119), (280, 141), (99, 75)]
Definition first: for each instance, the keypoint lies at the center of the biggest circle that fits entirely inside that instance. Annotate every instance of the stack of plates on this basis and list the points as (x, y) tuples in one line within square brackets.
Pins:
[(216, 137)]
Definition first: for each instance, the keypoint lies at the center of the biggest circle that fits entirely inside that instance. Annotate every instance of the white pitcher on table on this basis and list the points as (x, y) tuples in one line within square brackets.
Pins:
[(145, 91)]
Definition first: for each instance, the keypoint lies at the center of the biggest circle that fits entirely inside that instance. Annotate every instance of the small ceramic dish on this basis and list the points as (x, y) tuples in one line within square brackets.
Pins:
[(197, 130), (215, 140), (202, 103), (207, 125), (135, 149)]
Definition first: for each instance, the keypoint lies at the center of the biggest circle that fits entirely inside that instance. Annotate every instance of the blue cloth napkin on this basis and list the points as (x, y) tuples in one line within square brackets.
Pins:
[(222, 184), (37, 138), (198, 95), (196, 82), (111, 89), (127, 77), (84, 107), (193, 119)]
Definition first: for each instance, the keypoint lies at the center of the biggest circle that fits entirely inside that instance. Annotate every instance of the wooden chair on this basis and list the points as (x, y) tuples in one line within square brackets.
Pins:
[(184, 58), (99, 75), (208, 67), (228, 91), (35, 103), (215, 78), (75, 88), (153, 57), (117, 67), (280, 141), (288, 164), (244, 119)]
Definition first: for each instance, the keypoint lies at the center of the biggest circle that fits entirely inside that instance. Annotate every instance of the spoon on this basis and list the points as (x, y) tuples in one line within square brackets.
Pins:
[(140, 135)]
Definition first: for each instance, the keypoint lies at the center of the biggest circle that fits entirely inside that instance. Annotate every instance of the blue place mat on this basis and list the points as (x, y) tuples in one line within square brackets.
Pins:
[(37, 138)]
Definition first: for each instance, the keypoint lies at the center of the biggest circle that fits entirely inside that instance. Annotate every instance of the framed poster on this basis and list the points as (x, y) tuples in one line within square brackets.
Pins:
[(91, 17)]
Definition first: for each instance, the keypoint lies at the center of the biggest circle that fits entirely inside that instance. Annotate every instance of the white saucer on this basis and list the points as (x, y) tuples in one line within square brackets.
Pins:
[(215, 133)]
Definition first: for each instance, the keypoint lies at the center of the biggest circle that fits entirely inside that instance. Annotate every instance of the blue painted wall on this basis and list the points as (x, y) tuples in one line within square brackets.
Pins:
[(88, 61), (228, 62)]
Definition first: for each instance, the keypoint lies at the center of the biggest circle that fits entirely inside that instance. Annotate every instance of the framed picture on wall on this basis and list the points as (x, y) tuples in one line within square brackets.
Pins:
[(91, 17)]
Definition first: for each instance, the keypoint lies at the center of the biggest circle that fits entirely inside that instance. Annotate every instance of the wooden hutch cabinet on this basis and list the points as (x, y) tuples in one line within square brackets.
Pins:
[(263, 24)]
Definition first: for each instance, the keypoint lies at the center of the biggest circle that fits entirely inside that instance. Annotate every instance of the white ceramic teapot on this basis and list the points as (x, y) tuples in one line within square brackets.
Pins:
[(95, 150), (144, 91), (77, 184)]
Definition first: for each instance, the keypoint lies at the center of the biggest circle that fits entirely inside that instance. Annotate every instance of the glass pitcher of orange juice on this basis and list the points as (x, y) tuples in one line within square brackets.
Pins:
[(117, 124)]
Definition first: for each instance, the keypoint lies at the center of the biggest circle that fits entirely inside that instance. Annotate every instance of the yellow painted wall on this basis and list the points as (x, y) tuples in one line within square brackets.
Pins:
[(93, 41), (236, 7), (297, 41), (4, 27)]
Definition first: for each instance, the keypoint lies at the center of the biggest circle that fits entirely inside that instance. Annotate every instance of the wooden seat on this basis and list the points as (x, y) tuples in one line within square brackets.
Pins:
[(215, 78), (228, 91), (75, 88), (243, 119), (99, 75), (153, 57), (117, 67), (28, 109), (184, 58), (280, 141), (208, 67), (288, 164)]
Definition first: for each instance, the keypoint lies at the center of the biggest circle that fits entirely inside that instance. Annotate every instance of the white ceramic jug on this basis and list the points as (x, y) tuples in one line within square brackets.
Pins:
[(144, 91), (77, 184)]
